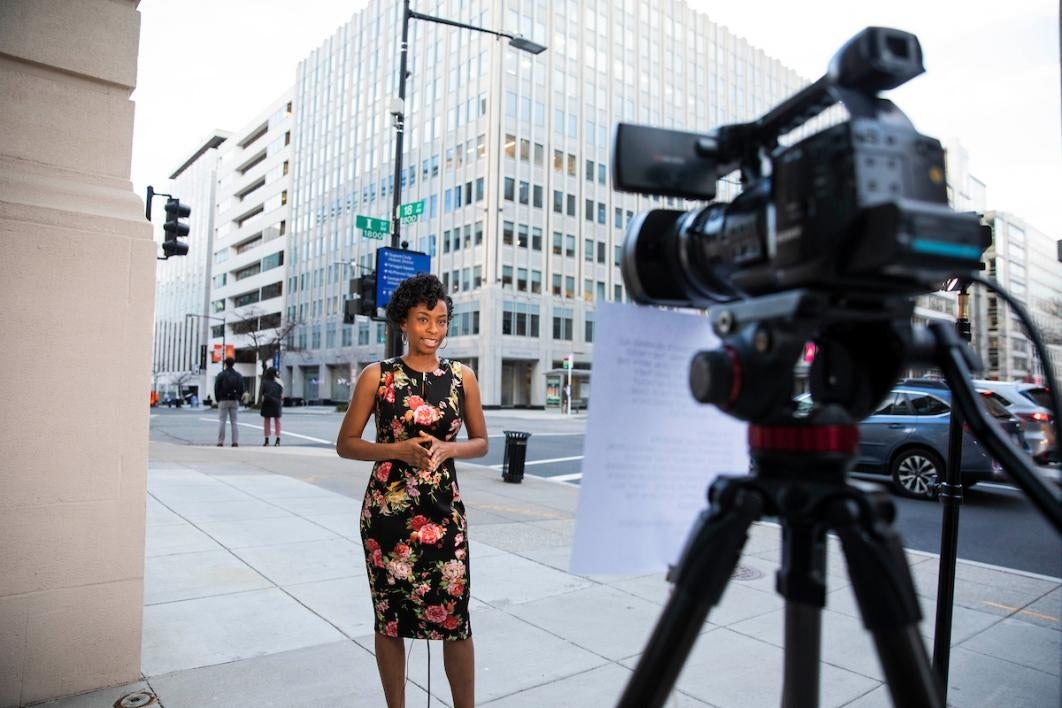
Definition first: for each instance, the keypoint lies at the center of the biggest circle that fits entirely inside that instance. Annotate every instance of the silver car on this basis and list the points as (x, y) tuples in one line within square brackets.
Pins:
[(1031, 403)]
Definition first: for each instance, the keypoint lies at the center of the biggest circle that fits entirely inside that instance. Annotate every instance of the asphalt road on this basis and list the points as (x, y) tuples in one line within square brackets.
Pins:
[(997, 524)]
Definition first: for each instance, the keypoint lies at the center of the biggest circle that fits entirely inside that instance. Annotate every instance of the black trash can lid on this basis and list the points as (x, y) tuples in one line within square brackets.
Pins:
[(516, 435)]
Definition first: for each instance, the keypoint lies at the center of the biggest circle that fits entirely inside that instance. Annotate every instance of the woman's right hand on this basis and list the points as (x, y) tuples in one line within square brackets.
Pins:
[(416, 451)]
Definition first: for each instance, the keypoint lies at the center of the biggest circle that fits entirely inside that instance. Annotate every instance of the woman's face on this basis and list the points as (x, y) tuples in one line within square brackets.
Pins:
[(425, 328)]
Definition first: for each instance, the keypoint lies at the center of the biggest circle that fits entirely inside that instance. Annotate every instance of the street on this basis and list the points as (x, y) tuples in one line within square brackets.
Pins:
[(997, 524)]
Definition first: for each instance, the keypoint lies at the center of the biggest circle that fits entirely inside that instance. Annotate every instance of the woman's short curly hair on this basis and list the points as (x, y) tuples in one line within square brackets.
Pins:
[(421, 288)]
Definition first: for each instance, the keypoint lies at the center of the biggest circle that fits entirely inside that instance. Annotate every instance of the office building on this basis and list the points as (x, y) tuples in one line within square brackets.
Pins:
[(1024, 260), (509, 153), (245, 310)]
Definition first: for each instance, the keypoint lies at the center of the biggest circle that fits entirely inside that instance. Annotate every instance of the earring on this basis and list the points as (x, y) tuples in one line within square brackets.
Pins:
[(403, 338), (444, 343)]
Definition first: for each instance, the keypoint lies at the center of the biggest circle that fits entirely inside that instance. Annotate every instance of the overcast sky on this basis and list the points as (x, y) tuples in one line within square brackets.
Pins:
[(992, 78)]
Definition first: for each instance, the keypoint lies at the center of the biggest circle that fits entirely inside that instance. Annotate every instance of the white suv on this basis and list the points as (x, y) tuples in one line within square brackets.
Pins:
[(1031, 403)]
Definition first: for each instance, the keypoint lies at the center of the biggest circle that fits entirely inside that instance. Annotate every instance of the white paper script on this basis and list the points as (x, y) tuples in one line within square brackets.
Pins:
[(651, 450)]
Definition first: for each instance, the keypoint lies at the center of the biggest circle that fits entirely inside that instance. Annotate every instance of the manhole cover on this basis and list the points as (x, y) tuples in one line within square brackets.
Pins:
[(743, 572), (136, 700)]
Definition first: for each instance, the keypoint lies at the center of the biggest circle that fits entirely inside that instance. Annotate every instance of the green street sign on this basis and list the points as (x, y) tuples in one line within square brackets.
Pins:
[(411, 209), (367, 223)]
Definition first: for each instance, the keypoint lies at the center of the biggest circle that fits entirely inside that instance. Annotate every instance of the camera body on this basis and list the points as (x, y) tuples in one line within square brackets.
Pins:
[(860, 207)]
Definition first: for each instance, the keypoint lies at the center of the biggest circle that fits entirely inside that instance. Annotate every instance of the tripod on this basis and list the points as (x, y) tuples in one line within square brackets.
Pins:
[(807, 492), (801, 479)]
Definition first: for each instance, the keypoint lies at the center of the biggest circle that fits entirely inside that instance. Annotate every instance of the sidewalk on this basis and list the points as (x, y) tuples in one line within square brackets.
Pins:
[(255, 596)]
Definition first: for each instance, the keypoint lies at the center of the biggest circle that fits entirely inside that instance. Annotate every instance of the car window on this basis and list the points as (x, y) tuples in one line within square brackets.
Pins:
[(925, 404), (993, 396), (996, 405), (1039, 396), (888, 404)]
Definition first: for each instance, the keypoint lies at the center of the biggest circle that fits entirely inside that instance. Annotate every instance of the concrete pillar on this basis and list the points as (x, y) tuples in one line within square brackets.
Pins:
[(77, 282)]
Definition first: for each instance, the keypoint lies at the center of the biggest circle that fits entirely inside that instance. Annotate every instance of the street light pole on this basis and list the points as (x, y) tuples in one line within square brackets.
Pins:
[(394, 342), (398, 111)]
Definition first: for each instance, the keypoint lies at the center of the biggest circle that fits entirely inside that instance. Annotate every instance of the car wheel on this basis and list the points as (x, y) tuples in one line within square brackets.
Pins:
[(915, 472)]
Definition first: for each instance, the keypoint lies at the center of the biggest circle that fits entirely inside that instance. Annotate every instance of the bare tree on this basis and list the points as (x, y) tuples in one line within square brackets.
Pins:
[(266, 332)]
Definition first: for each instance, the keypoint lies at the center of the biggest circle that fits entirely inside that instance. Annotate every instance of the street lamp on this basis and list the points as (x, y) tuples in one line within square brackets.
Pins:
[(394, 343)]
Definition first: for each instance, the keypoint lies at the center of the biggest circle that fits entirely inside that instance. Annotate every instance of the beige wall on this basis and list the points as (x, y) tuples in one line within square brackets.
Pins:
[(77, 269)]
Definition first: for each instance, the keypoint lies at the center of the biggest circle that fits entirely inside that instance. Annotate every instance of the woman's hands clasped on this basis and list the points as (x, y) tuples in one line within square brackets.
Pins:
[(425, 451)]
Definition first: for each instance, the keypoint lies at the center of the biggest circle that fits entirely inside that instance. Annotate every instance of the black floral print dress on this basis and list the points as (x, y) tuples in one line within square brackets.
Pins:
[(413, 521)]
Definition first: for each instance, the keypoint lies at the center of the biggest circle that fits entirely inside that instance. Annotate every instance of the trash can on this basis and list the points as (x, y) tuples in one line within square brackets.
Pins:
[(515, 455)]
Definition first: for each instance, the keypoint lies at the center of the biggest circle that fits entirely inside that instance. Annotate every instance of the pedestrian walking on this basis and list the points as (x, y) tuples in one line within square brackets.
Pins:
[(271, 402), (228, 389), (413, 525)]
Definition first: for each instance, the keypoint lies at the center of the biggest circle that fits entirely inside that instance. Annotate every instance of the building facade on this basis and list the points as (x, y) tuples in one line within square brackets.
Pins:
[(182, 283), (77, 278), (245, 312), (1025, 261), (510, 154)]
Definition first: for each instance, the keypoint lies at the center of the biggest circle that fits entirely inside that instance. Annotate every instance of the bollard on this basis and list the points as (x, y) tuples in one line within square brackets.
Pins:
[(515, 455)]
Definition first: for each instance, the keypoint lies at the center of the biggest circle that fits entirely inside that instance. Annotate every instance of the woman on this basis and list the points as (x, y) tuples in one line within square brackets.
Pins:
[(271, 399), (413, 520)]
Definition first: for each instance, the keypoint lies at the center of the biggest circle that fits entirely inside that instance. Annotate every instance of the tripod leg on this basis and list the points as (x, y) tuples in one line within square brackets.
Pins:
[(802, 581), (711, 554), (887, 600)]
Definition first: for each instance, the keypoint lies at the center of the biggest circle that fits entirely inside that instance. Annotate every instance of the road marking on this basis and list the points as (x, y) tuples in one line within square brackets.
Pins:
[(543, 462), (1020, 611), (286, 433), (545, 435), (564, 477)]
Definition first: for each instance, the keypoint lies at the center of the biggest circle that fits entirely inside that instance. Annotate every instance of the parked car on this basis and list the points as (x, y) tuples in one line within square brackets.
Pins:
[(1032, 404), (906, 438)]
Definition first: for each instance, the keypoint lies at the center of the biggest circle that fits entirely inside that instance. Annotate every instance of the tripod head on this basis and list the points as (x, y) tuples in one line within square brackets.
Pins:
[(861, 346)]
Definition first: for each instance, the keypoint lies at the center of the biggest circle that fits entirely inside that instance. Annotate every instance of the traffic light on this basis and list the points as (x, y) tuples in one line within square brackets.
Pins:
[(569, 361), (367, 295), (350, 311), (363, 302), (175, 229)]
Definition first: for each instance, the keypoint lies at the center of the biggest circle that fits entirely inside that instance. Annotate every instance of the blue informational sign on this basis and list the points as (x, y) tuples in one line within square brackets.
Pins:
[(393, 265), (276, 359)]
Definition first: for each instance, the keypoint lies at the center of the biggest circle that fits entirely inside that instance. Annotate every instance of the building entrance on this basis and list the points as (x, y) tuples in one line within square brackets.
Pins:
[(516, 383)]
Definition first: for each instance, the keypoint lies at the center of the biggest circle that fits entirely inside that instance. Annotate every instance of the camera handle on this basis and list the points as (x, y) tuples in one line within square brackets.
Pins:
[(809, 495)]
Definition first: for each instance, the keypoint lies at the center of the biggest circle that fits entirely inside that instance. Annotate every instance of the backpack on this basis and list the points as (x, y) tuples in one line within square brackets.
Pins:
[(230, 385)]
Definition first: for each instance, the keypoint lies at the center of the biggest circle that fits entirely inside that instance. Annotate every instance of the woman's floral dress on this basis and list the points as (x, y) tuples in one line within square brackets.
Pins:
[(413, 521)]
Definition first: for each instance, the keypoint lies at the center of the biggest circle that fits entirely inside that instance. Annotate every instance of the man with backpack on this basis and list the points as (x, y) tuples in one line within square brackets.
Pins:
[(228, 390)]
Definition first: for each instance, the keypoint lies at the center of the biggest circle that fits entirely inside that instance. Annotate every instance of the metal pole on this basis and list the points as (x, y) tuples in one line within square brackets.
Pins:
[(951, 499), (394, 341)]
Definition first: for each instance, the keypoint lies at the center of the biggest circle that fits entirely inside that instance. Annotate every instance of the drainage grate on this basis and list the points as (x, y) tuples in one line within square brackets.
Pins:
[(136, 700), (743, 572)]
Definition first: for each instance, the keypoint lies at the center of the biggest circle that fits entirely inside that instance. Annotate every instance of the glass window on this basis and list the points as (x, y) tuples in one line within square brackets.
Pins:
[(507, 233), (925, 404), (558, 201), (558, 240), (509, 188)]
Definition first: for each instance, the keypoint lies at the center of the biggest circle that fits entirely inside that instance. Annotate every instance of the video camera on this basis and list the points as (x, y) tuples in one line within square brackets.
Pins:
[(860, 207)]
